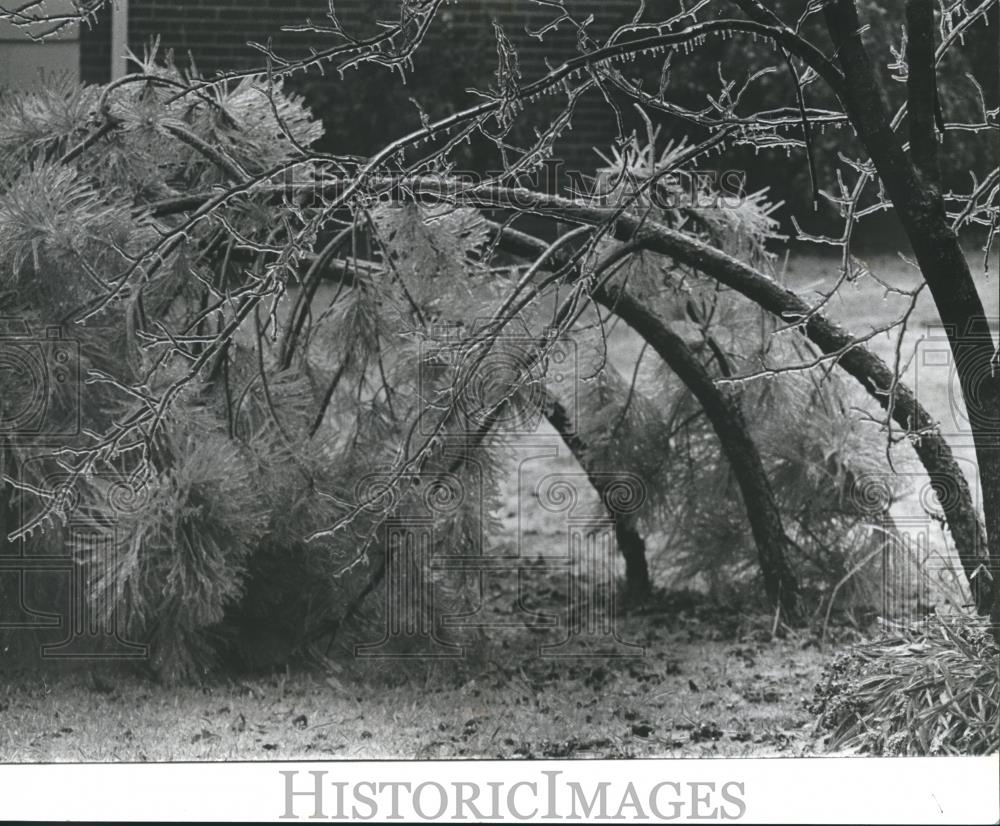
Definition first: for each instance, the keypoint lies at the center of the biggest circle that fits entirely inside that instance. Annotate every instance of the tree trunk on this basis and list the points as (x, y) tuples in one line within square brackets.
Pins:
[(726, 415), (630, 542), (913, 186)]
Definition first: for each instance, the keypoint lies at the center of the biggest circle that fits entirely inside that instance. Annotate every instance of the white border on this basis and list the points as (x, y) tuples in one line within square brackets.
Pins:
[(800, 790)]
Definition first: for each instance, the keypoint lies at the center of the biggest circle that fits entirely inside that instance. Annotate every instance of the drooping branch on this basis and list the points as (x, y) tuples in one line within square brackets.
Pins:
[(837, 344), (630, 542), (723, 409), (874, 375)]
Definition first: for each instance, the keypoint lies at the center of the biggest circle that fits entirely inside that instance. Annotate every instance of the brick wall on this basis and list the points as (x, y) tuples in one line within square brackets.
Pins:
[(459, 52), (95, 50), (216, 32)]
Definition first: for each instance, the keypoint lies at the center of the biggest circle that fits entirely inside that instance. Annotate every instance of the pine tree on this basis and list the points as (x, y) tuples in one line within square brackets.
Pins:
[(281, 352)]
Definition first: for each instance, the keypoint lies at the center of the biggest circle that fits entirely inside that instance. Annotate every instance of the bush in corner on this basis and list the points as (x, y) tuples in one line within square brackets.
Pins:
[(931, 689)]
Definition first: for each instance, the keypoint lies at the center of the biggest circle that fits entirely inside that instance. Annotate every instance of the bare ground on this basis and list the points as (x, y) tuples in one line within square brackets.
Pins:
[(690, 696)]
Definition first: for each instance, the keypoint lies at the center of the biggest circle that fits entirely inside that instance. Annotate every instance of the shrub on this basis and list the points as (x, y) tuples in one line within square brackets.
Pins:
[(930, 689)]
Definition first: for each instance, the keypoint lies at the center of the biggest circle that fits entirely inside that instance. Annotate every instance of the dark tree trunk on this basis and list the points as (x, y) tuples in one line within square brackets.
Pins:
[(638, 585), (912, 183), (724, 411), (630, 542)]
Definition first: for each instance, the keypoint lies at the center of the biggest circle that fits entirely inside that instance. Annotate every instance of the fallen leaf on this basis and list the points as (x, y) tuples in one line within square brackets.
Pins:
[(204, 734)]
